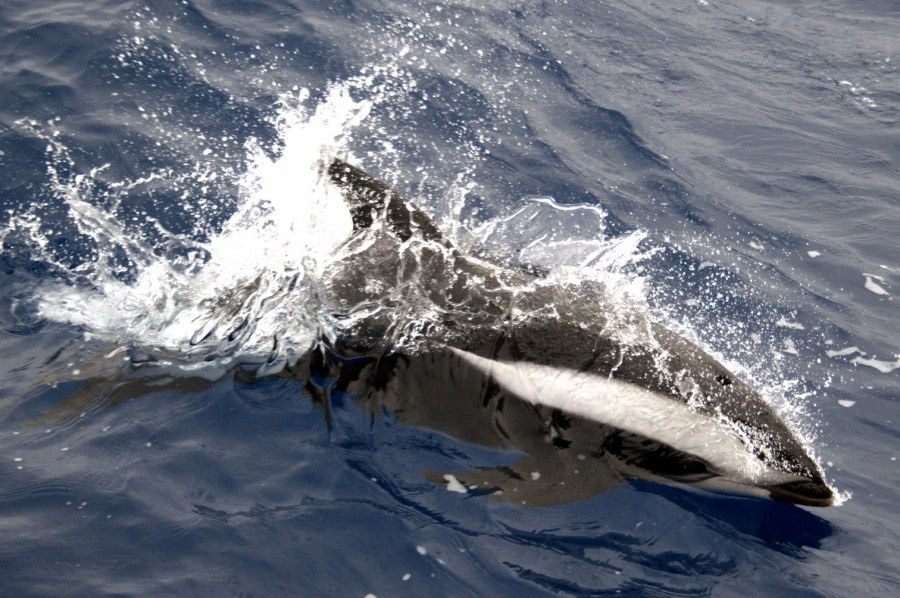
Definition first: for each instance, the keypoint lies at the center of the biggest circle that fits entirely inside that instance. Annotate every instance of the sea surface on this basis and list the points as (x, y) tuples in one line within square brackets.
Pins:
[(731, 168)]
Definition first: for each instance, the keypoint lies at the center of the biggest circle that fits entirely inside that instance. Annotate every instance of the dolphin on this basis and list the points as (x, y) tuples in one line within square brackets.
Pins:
[(589, 394), (500, 357)]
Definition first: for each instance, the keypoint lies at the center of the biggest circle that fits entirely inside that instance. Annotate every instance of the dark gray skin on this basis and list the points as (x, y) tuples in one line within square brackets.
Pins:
[(404, 295)]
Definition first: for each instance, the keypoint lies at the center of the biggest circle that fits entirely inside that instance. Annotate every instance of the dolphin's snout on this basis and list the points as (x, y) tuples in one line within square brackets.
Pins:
[(813, 492)]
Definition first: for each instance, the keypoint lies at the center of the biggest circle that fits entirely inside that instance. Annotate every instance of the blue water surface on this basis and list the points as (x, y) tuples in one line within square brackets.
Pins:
[(754, 142)]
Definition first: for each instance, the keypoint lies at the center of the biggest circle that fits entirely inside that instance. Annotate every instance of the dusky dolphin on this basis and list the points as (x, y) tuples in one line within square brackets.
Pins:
[(506, 358), (590, 394)]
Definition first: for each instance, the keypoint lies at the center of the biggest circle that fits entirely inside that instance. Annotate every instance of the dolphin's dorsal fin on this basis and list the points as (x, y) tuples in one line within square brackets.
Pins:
[(370, 199)]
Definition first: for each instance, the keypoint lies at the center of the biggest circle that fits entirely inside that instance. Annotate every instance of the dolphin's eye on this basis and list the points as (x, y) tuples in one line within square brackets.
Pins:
[(723, 380)]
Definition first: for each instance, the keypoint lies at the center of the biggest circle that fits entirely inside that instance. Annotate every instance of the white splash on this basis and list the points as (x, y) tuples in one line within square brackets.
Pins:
[(784, 323), (790, 347), (885, 367), (454, 485), (253, 289), (873, 286)]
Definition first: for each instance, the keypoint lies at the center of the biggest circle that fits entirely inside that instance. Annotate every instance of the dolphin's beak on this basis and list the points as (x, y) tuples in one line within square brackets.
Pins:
[(812, 492)]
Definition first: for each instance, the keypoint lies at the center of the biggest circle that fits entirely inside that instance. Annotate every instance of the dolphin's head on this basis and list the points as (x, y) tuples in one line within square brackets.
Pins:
[(812, 491), (750, 475), (786, 471), (779, 463), (713, 454), (804, 489)]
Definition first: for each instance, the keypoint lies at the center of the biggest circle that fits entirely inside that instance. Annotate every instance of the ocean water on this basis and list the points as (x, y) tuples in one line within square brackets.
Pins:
[(730, 168)]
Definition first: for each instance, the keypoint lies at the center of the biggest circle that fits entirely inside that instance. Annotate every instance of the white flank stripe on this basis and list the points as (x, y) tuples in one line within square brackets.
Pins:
[(631, 408)]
